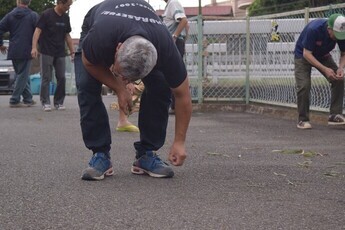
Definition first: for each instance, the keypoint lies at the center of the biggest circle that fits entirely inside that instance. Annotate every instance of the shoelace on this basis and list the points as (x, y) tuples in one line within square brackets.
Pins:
[(156, 160)]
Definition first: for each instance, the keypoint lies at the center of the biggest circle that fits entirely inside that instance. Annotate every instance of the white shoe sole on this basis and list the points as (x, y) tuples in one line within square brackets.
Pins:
[(140, 171)]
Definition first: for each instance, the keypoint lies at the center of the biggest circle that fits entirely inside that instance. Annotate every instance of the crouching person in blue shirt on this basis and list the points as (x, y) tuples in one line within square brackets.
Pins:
[(313, 49)]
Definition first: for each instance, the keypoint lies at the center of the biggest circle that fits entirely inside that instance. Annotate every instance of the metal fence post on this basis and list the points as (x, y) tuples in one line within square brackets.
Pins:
[(247, 59), (200, 55), (306, 15)]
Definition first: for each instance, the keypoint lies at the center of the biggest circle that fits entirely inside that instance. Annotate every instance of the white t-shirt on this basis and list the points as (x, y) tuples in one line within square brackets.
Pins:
[(172, 16)]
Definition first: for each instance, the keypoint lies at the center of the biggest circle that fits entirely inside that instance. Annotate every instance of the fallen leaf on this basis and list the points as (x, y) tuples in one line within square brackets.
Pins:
[(331, 173), (217, 154), (290, 151), (305, 164), (309, 154), (279, 174)]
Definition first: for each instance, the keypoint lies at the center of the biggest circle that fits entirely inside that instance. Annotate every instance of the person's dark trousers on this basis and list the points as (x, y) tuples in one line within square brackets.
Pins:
[(22, 82), (48, 63), (153, 113), (94, 118), (303, 86), (180, 44)]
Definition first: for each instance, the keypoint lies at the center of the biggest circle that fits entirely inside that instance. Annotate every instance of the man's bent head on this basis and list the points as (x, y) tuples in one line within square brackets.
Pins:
[(135, 58)]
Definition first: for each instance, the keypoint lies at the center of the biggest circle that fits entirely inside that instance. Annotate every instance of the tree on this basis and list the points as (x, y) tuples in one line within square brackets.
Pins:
[(262, 7), (37, 5)]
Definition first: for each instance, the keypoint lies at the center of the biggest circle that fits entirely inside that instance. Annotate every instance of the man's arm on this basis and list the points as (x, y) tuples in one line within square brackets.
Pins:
[(308, 55), (69, 42), (105, 76), (35, 37), (187, 30), (182, 24), (340, 71), (3, 29), (183, 112)]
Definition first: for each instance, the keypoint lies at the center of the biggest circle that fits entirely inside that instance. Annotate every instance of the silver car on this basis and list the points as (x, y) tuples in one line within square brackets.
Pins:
[(7, 74)]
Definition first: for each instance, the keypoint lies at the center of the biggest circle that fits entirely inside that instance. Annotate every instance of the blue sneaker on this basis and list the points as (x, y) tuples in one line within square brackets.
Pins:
[(99, 166), (152, 165)]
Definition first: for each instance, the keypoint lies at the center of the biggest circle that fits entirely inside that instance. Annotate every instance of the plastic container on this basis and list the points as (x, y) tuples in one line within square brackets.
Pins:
[(35, 85)]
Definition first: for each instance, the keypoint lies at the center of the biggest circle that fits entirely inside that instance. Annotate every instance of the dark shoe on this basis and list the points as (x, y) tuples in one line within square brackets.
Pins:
[(99, 166), (304, 125), (17, 105), (28, 104), (336, 119), (152, 165)]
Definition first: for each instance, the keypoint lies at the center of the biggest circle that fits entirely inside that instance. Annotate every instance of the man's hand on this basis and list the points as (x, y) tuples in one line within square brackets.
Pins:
[(177, 154), (34, 53), (340, 74), (330, 74), (72, 56), (131, 88)]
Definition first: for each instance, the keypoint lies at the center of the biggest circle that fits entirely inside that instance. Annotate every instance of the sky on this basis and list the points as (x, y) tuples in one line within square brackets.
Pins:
[(80, 7)]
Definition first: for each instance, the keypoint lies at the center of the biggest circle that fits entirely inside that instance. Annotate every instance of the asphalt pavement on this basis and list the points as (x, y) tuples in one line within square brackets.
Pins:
[(243, 171)]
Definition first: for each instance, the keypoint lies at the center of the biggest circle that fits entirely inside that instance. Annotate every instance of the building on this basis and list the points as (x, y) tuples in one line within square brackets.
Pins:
[(219, 9)]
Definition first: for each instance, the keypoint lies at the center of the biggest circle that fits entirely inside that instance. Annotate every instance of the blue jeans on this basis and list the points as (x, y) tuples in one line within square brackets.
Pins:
[(22, 82), (94, 120), (47, 65)]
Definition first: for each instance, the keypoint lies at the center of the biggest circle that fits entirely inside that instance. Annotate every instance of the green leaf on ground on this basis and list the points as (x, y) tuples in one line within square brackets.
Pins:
[(298, 151), (332, 173), (309, 154), (305, 164), (290, 151), (217, 154)]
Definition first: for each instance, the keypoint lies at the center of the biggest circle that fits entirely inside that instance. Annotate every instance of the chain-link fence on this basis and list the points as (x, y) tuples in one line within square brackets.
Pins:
[(251, 59)]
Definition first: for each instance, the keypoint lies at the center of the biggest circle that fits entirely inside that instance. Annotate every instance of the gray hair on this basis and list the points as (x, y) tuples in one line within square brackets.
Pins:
[(25, 2), (136, 57)]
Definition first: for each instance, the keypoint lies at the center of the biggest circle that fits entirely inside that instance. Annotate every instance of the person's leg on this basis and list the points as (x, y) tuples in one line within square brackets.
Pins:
[(60, 92), (303, 85), (180, 44), (124, 125), (27, 94), (94, 118), (153, 121), (94, 123), (46, 77), (22, 67), (337, 88), (153, 113)]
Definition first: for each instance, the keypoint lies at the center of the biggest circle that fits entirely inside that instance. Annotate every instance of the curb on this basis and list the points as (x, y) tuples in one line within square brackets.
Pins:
[(266, 110)]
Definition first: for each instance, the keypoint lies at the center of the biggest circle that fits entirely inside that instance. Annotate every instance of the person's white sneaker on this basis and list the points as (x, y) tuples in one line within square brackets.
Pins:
[(47, 108), (336, 119), (304, 125), (60, 107)]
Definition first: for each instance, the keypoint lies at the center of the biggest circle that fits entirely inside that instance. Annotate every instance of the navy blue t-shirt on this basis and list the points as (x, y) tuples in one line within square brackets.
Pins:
[(315, 38), (115, 21), (54, 29)]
